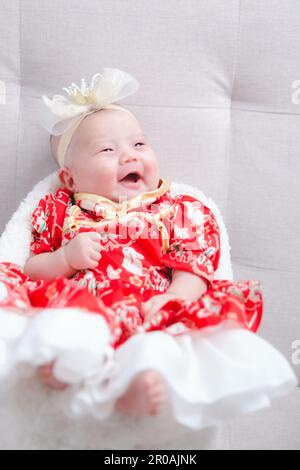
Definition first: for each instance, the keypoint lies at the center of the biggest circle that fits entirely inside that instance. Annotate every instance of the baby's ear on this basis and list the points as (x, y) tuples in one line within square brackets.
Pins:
[(61, 176), (65, 176)]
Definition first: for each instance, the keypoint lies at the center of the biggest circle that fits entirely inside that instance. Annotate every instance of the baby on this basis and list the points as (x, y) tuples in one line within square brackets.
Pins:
[(110, 155), (123, 267)]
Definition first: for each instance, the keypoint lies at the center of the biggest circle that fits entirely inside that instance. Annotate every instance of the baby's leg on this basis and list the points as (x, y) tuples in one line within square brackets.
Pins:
[(144, 396)]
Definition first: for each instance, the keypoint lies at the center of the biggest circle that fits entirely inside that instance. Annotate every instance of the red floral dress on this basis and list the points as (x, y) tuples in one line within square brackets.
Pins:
[(142, 241)]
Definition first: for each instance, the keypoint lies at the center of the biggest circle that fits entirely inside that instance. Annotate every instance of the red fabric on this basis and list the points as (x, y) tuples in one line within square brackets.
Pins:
[(132, 270)]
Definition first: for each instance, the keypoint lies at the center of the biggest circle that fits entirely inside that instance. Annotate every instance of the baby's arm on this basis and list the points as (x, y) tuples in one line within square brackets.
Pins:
[(184, 285), (187, 286), (82, 252), (47, 266)]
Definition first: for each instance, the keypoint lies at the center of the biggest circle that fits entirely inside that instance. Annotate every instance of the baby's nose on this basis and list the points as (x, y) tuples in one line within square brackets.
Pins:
[(129, 158)]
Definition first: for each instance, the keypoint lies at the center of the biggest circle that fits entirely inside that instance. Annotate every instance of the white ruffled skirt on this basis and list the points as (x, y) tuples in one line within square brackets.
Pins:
[(210, 375)]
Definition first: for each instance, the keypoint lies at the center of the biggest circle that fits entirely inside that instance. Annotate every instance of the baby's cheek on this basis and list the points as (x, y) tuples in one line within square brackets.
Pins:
[(102, 174), (151, 164)]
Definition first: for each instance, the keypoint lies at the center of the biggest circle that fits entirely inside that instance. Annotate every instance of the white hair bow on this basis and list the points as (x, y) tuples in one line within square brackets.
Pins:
[(104, 89)]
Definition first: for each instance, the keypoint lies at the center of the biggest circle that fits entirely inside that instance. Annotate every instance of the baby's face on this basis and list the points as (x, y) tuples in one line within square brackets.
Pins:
[(109, 155)]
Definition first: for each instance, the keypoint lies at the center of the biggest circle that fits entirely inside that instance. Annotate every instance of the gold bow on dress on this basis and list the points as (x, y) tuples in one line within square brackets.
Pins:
[(112, 211)]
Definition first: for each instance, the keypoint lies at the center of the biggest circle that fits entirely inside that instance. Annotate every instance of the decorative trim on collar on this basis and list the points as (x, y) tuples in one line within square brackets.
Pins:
[(101, 206)]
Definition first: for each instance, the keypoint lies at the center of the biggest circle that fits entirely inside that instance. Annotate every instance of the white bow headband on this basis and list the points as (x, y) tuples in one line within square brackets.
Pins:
[(68, 112)]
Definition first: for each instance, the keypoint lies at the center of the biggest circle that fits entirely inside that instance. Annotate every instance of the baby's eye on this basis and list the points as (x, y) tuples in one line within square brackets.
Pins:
[(138, 143)]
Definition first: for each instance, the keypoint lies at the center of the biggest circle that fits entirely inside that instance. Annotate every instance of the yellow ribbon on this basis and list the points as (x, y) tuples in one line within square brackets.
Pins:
[(73, 222)]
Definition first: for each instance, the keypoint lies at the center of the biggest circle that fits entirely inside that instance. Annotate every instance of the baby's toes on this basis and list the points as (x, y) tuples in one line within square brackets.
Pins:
[(156, 393), (156, 398), (152, 379), (43, 371), (52, 382), (154, 406), (56, 385)]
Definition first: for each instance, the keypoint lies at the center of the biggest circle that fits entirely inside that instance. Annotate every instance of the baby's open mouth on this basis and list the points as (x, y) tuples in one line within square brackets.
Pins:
[(131, 180), (132, 177)]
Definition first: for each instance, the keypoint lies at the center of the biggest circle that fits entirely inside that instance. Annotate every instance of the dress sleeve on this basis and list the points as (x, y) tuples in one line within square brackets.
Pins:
[(41, 227), (194, 244)]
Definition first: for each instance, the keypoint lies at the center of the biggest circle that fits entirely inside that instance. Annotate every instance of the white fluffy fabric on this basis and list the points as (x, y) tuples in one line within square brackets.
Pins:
[(210, 375)]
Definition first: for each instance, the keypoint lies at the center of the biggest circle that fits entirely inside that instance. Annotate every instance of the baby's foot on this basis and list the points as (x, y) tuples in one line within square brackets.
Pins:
[(45, 373), (144, 396)]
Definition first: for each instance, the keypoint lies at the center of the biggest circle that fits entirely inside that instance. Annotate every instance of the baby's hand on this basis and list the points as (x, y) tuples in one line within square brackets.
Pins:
[(45, 373), (153, 305), (83, 251)]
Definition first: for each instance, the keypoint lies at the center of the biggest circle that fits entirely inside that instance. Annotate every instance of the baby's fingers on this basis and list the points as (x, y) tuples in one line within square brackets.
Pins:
[(149, 316), (95, 236), (146, 307), (95, 255)]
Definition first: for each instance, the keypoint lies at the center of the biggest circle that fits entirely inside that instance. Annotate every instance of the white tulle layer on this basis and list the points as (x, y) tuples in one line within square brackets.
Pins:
[(78, 342), (210, 375)]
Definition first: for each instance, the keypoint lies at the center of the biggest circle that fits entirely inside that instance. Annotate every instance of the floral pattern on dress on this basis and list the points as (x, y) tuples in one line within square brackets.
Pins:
[(173, 232)]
